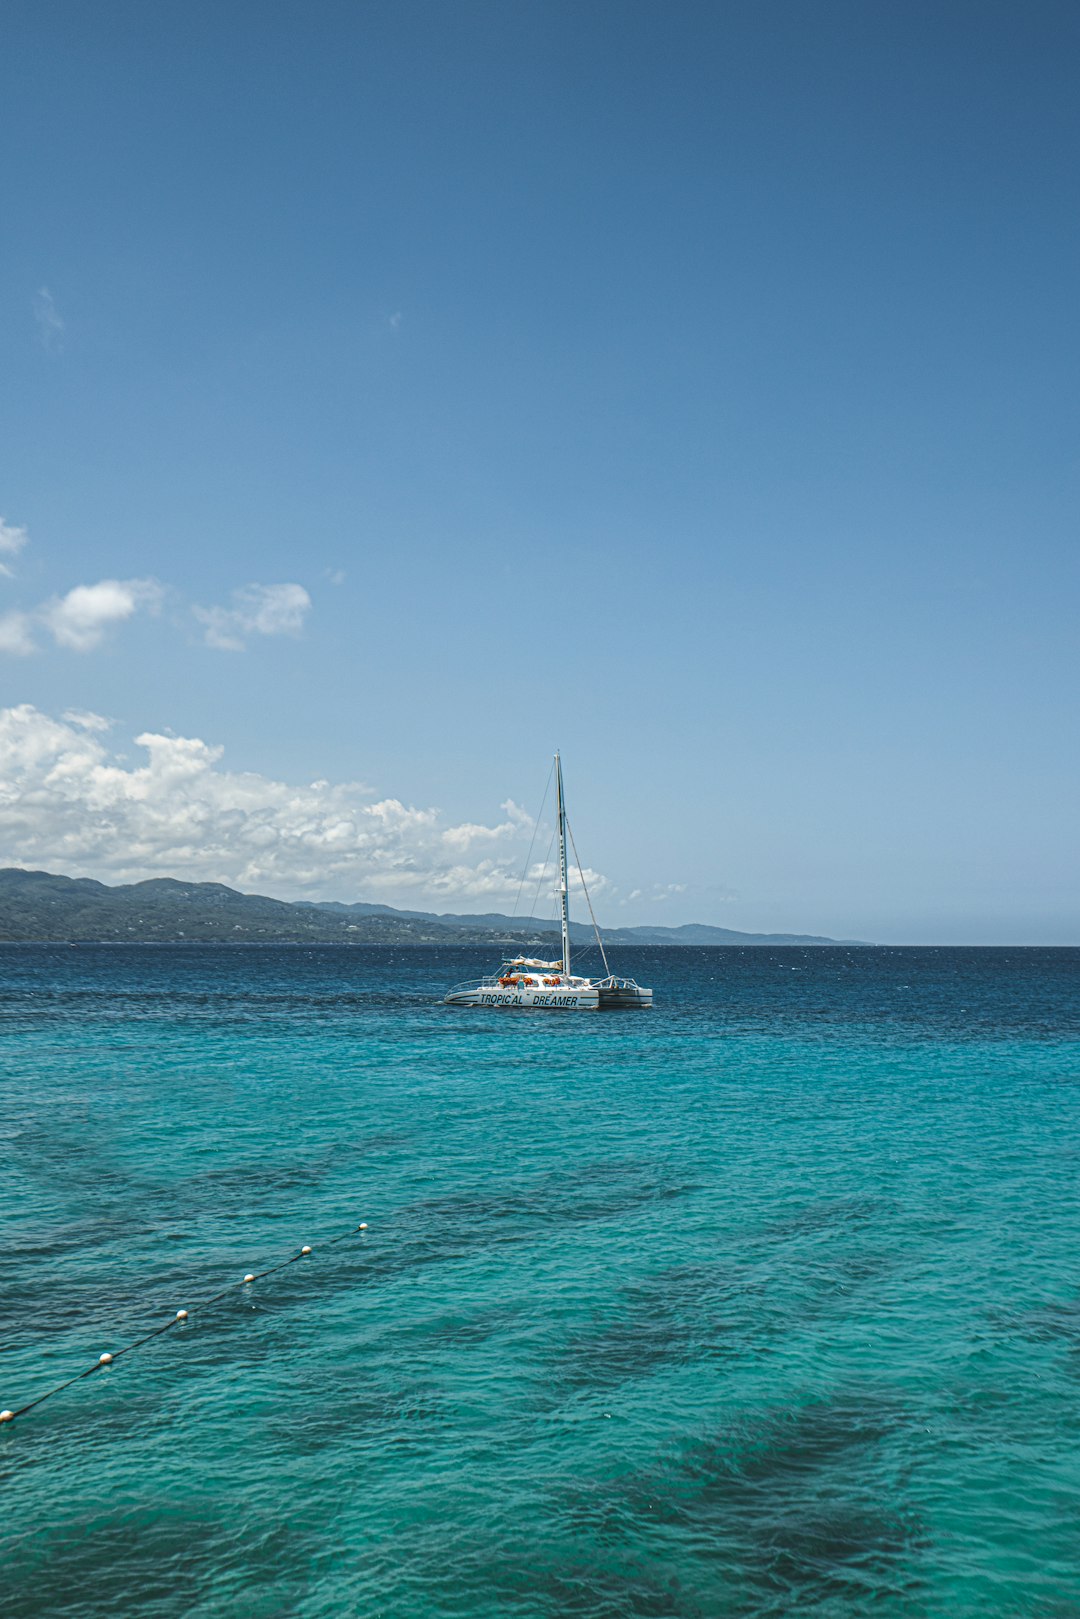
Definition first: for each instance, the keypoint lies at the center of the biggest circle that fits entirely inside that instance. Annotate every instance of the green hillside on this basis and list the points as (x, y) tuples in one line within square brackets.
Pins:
[(40, 906)]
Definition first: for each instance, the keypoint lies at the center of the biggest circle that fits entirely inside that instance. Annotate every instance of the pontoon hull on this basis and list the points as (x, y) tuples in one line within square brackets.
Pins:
[(586, 999), (624, 998)]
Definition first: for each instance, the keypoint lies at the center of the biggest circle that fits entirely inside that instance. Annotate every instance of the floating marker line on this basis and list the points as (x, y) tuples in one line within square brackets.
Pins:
[(108, 1358)]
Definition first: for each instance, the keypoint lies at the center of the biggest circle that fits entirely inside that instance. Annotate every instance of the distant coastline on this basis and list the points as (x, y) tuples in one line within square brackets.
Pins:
[(45, 907)]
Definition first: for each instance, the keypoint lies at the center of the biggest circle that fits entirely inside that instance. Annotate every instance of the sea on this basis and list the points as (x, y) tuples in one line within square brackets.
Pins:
[(763, 1302)]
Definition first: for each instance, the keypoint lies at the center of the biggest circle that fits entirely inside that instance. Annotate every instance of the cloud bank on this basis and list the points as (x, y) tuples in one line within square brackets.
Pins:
[(69, 803)]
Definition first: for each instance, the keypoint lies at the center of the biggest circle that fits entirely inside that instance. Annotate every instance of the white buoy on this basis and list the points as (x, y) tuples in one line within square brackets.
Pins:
[(362, 1226), (181, 1315), (7, 1416), (250, 1277), (103, 1360), (305, 1250)]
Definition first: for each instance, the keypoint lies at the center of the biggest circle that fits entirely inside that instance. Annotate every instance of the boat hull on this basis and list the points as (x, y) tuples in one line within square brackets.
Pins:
[(585, 999), (624, 998)]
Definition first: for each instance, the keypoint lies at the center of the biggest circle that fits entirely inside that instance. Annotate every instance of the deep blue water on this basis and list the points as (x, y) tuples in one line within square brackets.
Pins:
[(764, 1302)]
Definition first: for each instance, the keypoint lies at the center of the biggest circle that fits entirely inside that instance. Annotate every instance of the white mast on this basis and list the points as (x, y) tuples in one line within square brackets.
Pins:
[(563, 894)]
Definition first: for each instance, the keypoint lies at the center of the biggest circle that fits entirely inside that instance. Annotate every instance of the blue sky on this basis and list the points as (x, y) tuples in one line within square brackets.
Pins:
[(404, 390)]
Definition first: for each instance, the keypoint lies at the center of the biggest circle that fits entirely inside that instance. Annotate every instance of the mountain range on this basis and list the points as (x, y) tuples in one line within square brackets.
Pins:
[(39, 906)]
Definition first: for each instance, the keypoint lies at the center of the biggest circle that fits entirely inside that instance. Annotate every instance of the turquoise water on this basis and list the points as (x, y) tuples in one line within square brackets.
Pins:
[(764, 1302)]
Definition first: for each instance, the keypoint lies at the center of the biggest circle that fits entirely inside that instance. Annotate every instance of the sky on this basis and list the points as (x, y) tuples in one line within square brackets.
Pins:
[(391, 393)]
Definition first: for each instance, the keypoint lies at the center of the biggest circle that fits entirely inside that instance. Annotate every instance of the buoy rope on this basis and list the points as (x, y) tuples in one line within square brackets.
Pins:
[(108, 1358)]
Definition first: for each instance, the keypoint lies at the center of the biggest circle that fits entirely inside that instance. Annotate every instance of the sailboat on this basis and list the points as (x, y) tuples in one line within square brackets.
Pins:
[(526, 981)]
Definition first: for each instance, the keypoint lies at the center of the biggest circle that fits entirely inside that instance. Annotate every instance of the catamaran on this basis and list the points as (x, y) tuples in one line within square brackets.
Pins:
[(525, 981)]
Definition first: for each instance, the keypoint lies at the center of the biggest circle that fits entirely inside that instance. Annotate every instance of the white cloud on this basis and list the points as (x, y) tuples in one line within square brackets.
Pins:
[(81, 619), (12, 540), (86, 719), (50, 322), (663, 891), (16, 635), (539, 895), (69, 803), (463, 836), (656, 895), (255, 610)]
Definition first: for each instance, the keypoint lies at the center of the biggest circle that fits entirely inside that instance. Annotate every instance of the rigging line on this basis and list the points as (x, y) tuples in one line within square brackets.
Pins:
[(588, 901), (532, 840), (181, 1315), (543, 874)]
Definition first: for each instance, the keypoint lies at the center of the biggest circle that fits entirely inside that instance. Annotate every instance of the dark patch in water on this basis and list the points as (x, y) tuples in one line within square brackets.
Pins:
[(448, 1227), (1055, 1321), (865, 1265), (592, 1590), (464, 1331), (789, 1503), (699, 1313), (261, 1182), (687, 1313), (836, 1215), (164, 1559), (781, 1447), (845, 1550)]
